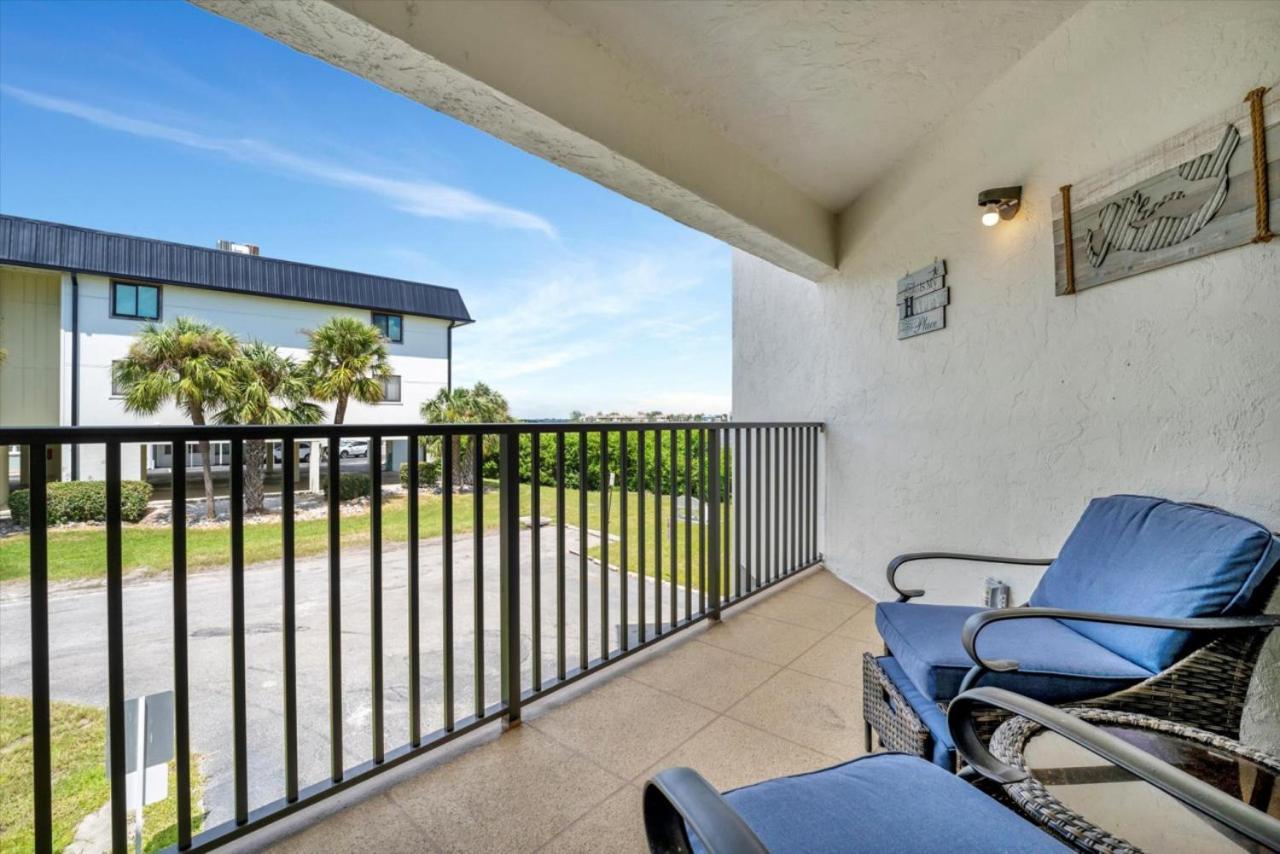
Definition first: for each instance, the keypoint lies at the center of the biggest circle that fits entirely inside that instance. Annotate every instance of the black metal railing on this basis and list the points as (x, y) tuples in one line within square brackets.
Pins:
[(691, 518)]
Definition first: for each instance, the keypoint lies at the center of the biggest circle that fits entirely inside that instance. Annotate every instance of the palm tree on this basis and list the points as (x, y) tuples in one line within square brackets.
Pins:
[(186, 363), (267, 388), (477, 405), (348, 359)]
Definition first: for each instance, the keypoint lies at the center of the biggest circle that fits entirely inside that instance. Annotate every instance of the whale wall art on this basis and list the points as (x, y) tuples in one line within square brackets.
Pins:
[(1195, 194)]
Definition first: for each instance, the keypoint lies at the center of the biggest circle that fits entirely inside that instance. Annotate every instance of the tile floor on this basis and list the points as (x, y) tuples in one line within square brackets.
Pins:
[(775, 688)]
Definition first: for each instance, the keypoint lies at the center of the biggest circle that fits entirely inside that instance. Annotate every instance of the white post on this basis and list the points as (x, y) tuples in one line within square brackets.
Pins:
[(141, 781), (313, 467)]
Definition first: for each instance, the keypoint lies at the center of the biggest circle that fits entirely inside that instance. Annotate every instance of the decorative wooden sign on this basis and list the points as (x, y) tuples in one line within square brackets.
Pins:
[(922, 300), (1201, 192)]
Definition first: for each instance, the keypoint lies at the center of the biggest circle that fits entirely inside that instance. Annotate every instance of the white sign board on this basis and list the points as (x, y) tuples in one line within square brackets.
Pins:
[(148, 747)]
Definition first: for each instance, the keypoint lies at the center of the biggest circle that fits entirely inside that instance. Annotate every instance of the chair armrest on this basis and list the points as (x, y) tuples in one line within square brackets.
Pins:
[(1190, 790), (906, 595), (976, 623), (678, 799)]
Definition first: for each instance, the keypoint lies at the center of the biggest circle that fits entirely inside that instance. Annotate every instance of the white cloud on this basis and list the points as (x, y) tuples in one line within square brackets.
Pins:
[(426, 199)]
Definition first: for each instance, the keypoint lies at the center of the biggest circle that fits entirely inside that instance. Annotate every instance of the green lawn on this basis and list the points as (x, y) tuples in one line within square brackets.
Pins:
[(78, 748), (80, 553)]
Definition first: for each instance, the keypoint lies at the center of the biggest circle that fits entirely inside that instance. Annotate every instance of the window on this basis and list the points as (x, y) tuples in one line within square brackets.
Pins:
[(117, 390), (391, 326), (391, 389), (135, 302)]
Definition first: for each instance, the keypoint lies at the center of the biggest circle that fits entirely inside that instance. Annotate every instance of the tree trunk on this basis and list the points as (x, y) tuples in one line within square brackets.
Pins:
[(197, 418), (255, 455), (339, 411)]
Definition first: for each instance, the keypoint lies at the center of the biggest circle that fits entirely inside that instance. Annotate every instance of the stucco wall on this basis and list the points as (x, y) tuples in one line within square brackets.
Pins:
[(28, 333), (992, 434)]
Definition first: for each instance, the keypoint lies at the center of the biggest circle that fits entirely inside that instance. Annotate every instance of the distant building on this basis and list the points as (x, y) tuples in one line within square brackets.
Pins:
[(73, 299)]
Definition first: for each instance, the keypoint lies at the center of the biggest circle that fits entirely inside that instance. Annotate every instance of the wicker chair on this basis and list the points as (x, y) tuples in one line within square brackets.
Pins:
[(1176, 636)]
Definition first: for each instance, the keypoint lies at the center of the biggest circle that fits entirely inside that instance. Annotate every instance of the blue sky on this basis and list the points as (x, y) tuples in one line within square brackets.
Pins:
[(162, 120)]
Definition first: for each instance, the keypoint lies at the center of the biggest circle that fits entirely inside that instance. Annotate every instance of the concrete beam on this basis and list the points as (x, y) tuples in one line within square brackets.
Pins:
[(515, 70)]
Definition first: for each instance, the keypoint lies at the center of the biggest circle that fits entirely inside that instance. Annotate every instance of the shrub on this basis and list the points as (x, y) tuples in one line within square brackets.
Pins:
[(351, 485), (83, 501), (428, 473)]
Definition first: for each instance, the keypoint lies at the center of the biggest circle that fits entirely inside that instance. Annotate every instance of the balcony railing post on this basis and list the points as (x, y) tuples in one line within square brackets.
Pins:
[(509, 592), (713, 527), (41, 756)]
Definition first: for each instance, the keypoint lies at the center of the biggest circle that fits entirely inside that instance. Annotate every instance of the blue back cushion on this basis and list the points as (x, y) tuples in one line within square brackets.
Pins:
[(1132, 554)]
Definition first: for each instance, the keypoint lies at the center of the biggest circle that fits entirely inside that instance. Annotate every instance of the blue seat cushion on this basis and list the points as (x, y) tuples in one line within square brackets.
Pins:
[(1058, 665), (885, 802), (1132, 554), (942, 748)]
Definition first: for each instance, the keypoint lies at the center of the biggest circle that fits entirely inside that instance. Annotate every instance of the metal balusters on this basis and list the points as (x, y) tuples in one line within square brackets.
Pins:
[(509, 590), (477, 571), (813, 487), (757, 479), (675, 543), (702, 521), (535, 556), (640, 539), (658, 533), (374, 453), (624, 634), (446, 562), (604, 544), (688, 526), (727, 488), (582, 551), (777, 504), (560, 557), (414, 593), (115, 653), (336, 762), (792, 499), (239, 702), (714, 525), (181, 674), (741, 568), (41, 756)]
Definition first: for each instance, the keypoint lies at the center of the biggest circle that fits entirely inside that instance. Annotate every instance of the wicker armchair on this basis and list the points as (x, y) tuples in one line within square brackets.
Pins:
[(1189, 660)]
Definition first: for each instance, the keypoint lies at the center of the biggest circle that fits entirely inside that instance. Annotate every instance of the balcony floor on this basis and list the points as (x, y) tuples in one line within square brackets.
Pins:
[(773, 689)]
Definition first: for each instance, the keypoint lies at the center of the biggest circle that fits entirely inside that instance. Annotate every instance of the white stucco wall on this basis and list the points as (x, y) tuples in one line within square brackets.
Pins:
[(421, 360), (991, 435)]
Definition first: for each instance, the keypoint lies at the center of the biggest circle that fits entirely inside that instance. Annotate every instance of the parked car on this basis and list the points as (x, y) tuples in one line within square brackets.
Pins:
[(304, 451), (353, 448)]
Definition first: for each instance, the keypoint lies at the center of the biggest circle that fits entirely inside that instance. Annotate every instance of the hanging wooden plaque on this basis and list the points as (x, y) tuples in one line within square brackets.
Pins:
[(1191, 196), (922, 300)]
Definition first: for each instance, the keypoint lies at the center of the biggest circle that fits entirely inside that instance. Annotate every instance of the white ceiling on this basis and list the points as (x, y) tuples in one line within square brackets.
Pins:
[(828, 94)]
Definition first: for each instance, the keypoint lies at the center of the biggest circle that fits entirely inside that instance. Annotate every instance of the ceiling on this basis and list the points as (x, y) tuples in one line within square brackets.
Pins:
[(827, 94)]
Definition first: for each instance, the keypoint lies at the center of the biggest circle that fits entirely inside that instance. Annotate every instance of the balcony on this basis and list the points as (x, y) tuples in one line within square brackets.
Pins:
[(772, 689), (330, 658)]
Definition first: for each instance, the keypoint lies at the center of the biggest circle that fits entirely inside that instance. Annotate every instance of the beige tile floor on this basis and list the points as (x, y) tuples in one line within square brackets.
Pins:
[(774, 688)]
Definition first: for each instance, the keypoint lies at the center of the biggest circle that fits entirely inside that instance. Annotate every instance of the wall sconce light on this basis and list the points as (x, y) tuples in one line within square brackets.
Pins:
[(999, 203)]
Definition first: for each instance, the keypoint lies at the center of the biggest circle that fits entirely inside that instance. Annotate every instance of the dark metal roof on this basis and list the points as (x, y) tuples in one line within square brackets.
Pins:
[(34, 243)]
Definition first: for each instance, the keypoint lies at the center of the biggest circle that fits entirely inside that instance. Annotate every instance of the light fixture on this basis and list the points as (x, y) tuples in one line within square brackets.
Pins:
[(999, 203)]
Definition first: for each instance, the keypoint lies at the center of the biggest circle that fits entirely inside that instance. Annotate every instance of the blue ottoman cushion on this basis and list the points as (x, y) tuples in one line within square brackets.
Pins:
[(885, 802)]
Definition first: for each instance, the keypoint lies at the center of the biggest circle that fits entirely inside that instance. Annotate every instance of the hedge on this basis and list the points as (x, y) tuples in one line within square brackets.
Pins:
[(83, 501), (351, 485), (428, 473)]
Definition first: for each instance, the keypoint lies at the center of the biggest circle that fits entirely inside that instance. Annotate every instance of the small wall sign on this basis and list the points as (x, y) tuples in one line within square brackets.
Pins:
[(922, 300)]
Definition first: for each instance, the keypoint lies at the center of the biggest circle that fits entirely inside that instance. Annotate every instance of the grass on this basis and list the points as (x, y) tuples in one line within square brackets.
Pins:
[(80, 787), (80, 553)]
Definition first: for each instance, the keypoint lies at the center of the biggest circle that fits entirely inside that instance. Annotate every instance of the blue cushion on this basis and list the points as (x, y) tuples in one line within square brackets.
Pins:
[(885, 802), (942, 748), (1133, 554), (1058, 664)]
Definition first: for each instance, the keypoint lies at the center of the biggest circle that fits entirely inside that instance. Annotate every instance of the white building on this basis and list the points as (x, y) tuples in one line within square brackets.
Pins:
[(73, 299)]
